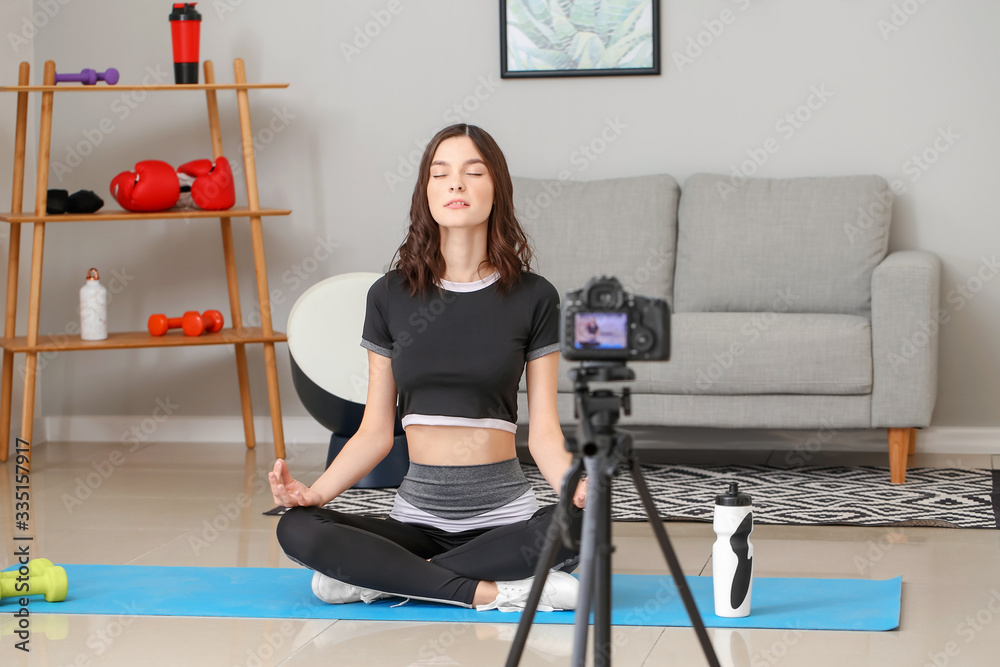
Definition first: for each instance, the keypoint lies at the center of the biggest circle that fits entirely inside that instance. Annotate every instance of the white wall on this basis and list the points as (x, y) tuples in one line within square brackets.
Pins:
[(348, 125)]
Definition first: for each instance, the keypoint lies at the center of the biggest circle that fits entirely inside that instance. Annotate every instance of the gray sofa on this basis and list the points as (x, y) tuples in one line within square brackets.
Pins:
[(788, 312)]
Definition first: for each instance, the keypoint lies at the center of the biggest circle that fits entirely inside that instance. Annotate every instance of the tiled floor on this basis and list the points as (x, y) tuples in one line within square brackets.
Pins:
[(169, 504)]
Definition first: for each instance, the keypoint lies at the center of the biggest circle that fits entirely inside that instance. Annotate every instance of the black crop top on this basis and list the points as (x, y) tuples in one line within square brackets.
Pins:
[(457, 357)]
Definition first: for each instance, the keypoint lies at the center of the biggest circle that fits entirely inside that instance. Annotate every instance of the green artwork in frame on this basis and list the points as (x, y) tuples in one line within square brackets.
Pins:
[(579, 37)]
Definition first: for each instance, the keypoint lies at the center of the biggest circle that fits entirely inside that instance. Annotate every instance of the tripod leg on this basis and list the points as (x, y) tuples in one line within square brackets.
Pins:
[(546, 560), (588, 541), (601, 582), (675, 567)]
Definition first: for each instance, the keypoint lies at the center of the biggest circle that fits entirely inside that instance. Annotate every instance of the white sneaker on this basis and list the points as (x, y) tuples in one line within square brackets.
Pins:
[(334, 591), (560, 593)]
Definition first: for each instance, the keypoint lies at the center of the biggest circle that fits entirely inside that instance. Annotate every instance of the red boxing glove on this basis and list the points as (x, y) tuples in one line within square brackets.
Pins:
[(153, 186), (212, 188)]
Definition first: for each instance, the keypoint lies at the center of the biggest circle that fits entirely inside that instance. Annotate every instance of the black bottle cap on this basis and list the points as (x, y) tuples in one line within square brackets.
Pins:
[(185, 73), (185, 11), (733, 497)]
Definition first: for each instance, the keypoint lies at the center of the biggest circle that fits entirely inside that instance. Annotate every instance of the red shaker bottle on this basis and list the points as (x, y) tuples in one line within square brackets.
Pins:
[(185, 28)]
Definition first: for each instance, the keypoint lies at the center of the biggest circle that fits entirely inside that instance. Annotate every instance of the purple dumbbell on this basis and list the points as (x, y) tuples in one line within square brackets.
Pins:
[(89, 77)]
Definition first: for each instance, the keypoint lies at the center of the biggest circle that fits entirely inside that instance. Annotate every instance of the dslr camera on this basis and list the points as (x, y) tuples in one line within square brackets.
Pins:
[(602, 322)]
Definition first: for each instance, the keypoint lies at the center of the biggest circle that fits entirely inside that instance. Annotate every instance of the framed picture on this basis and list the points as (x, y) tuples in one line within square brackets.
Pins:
[(579, 38)]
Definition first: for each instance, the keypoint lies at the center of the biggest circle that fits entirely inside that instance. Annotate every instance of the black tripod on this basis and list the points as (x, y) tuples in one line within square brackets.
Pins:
[(600, 449)]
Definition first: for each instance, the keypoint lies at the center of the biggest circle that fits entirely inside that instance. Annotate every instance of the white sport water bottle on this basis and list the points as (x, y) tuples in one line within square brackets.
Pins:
[(732, 554), (93, 308)]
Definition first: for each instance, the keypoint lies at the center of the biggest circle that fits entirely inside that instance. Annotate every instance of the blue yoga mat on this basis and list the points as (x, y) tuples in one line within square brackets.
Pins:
[(780, 603)]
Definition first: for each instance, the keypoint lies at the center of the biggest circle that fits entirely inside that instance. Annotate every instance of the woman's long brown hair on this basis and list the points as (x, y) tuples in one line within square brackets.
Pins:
[(420, 261)]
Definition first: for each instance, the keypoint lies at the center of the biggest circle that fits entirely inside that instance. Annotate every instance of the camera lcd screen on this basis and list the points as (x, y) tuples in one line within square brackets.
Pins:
[(600, 331)]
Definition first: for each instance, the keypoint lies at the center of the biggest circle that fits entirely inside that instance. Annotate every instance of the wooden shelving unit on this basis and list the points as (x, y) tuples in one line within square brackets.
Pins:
[(170, 214), (238, 336)]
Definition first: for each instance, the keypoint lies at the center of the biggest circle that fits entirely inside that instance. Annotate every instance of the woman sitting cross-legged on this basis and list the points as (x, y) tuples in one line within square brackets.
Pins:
[(449, 332)]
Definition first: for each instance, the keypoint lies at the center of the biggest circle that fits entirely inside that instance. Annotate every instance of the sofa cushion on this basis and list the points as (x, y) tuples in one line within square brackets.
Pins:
[(623, 227), (739, 248), (756, 353), (765, 353)]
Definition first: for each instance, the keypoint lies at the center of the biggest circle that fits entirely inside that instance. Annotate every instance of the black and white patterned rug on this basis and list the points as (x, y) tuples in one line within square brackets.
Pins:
[(862, 496)]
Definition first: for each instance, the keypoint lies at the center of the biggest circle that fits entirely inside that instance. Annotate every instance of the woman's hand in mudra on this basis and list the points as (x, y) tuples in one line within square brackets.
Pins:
[(580, 497), (289, 492)]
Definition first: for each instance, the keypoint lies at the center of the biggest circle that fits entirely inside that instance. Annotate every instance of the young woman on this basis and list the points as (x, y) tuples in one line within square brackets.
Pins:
[(449, 331)]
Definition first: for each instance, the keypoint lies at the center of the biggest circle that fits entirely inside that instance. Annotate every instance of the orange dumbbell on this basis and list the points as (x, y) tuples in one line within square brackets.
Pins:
[(191, 323)]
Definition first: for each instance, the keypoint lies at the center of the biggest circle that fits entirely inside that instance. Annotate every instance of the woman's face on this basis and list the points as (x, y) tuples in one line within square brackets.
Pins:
[(460, 189)]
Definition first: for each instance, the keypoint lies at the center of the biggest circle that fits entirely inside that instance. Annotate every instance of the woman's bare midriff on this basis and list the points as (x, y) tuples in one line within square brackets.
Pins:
[(458, 445)]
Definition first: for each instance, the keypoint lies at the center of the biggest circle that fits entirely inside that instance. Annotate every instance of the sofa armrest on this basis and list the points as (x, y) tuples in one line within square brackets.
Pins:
[(906, 322)]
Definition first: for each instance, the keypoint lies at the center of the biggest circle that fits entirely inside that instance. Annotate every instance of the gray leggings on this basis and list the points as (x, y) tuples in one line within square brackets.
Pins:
[(392, 557)]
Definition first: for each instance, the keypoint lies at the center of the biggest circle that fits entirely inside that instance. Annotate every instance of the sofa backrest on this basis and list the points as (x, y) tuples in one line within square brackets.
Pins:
[(623, 227), (805, 245)]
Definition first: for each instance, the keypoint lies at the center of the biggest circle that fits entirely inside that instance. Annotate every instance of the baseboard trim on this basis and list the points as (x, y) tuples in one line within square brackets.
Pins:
[(131, 429), (959, 440), (305, 430)]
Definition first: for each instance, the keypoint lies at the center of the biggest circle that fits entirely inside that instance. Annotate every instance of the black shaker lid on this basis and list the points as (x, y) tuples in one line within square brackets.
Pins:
[(185, 11), (733, 497)]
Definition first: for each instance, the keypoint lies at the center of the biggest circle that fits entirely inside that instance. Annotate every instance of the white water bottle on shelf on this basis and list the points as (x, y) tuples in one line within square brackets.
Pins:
[(93, 308), (732, 553)]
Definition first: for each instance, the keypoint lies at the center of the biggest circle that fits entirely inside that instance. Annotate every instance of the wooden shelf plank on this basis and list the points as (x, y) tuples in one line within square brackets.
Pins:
[(140, 339), (65, 88), (169, 214)]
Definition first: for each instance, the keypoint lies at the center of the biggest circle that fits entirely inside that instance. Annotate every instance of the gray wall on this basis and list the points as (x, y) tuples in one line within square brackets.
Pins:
[(350, 123)]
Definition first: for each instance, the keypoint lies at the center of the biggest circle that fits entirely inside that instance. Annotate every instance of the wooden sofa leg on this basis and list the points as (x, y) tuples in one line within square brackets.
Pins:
[(900, 442), (913, 441)]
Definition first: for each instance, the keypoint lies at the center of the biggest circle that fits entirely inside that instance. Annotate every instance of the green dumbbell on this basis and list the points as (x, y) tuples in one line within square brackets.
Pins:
[(35, 568), (52, 583)]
